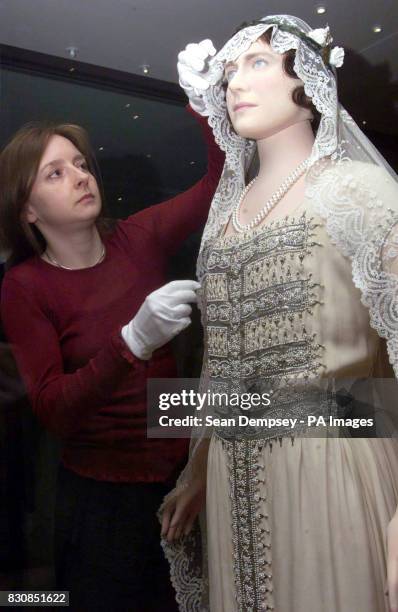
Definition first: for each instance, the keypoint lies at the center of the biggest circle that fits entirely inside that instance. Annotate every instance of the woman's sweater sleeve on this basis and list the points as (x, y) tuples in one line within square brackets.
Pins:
[(172, 221), (62, 401)]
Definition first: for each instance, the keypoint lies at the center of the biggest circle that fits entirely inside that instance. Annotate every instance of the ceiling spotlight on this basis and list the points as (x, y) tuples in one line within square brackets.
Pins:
[(72, 69), (364, 122), (377, 29), (100, 148), (135, 116), (120, 199), (192, 163), (72, 51), (145, 68), (148, 155), (321, 9), (127, 105)]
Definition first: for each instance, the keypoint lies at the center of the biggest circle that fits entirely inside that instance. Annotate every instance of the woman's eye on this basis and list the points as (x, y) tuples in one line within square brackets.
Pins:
[(83, 165), (259, 63), (55, 173)]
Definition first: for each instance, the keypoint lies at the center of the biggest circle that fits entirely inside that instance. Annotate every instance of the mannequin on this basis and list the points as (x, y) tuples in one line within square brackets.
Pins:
[(294, 520)]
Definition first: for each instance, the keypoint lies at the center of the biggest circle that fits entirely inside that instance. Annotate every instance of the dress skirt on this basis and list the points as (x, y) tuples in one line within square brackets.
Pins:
[(300, 525)]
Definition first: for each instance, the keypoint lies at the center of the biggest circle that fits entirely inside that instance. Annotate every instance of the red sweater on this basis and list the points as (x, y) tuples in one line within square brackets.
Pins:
[(84, 384)]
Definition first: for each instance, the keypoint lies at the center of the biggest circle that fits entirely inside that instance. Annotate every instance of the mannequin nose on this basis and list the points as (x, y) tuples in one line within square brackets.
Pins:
[(237, 82)]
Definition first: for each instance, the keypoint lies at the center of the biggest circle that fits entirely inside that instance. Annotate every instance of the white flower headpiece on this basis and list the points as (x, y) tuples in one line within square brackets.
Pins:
[(322, 36)]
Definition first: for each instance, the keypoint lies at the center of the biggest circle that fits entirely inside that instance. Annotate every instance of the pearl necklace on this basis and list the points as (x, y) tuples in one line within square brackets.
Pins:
[(55, 262), (274, 199)]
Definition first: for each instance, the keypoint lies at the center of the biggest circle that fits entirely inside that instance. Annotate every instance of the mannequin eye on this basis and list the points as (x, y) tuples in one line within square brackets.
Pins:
[(260, 62), (229, 75)]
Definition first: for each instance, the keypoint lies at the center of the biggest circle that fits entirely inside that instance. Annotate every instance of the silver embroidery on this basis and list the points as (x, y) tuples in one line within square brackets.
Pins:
[(216, 287), (217, 341), (222, 312), (251, 527)]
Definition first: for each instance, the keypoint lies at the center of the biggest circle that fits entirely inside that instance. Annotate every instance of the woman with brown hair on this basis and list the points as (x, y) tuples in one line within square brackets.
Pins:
[(88, 324)]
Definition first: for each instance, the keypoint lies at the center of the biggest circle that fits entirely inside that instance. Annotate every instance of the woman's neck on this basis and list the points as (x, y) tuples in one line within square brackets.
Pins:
[(79, 249), (285, 150)]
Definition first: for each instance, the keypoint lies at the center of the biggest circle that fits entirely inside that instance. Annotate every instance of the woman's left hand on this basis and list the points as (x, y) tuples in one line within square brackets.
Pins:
[(193, 71), (392, 563)]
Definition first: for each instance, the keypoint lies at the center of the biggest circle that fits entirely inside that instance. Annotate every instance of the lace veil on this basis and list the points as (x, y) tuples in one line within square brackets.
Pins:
[(351, 186)]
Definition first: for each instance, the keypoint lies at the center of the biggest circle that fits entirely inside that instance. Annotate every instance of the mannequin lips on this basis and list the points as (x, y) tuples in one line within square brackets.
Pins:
[(243, 106)]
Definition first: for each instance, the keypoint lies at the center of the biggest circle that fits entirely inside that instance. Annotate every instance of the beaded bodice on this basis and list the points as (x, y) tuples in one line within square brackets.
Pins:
[(258, 299), (282, 315), (259, 296), (271, 318)]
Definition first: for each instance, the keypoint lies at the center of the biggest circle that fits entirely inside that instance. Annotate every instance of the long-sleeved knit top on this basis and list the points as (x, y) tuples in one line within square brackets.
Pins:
[(83, 382)]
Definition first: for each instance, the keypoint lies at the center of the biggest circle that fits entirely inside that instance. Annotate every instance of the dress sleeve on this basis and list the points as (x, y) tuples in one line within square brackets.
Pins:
[(62, 401), (172, 221), (359, 203)]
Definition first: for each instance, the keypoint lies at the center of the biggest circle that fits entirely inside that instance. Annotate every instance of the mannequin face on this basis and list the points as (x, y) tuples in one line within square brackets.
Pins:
[(259, 93), (62, 180)]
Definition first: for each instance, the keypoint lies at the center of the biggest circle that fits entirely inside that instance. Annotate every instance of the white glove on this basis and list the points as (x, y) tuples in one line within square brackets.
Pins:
[(193, 72), (163, 314)]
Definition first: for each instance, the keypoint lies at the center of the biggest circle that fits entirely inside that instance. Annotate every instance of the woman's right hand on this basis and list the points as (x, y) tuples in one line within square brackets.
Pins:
[(163, 314), (180, 510)]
